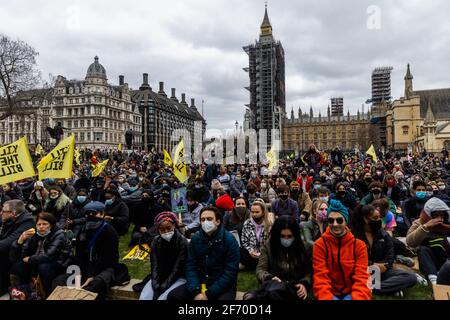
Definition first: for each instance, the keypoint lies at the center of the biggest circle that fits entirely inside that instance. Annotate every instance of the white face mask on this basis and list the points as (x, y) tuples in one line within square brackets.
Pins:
[(208, 226), (441, 187), (168, 235)]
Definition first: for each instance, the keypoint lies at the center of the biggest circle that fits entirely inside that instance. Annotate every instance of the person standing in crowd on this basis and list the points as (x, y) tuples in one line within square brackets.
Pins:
[(42, 252), (168, 259), (304, 181), (284, 205), (255, 233), (313, 158), (314, 228), (284, 267), (367, 225), (191, 220), (15, 220), (429, 234), (58, 205), (116, 212), (268, 194), (303, 200), (336, 157), (224, 178), (212, 264), (339, 247)]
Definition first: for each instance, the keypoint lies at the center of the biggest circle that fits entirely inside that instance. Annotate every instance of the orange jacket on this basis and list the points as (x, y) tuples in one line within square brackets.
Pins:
[(340, 267)]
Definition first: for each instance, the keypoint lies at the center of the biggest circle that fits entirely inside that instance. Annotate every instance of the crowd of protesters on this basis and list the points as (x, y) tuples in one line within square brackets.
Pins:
[(310, 230)]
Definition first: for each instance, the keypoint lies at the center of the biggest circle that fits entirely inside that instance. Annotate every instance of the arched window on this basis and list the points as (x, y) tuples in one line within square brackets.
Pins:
[(405, 130)]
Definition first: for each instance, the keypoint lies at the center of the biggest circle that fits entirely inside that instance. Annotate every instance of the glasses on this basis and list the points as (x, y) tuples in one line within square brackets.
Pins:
[(338, 221)]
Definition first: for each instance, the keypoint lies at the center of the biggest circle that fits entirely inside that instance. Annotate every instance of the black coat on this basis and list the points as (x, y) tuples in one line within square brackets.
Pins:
[(382, 250), (59, 208), (144, 214), (56, 249), (168, 261), (413, 207), (10, 231), (119, 211)]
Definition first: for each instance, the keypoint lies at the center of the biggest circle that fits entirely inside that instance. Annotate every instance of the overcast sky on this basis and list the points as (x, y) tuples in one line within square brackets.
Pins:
[(196, 45)]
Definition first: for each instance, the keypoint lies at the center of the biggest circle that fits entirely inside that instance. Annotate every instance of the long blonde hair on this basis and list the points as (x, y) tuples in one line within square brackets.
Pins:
[(267, 221)]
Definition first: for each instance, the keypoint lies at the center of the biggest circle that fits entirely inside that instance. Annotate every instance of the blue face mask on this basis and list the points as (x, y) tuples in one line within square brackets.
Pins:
[(109, 202), (44, 234), (81, 199), (421, 194), (317, 186), (133, 189), (287, 242), (324, 199)]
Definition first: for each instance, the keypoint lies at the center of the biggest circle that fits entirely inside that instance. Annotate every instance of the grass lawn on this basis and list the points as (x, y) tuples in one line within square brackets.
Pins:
[(247, 280)]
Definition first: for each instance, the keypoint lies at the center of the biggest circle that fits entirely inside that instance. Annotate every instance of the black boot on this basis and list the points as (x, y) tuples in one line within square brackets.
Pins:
[(138, 287)]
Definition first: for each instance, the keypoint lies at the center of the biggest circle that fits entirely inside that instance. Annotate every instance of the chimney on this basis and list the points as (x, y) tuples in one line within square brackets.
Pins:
[(145, 76), (161, 88), (121, 80), (193, 104), (174, 97), (145, 84), (183, 99)]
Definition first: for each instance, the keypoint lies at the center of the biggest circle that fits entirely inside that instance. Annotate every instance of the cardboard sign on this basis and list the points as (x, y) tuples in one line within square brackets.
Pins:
[(178, 200), (441, 292), (71, 293)]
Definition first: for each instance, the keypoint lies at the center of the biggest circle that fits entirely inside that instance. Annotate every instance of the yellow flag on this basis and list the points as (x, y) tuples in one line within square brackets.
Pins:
[(120, 147), (371, 152), (179, 167), (99, 168), (39, 150), (58, 163), (77, 156), (139, 252), (15, 162), (271, 157), (167, 158)]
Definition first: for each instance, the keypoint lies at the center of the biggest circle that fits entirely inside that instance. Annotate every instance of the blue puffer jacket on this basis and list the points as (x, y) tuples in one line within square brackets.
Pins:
[(214, 262)]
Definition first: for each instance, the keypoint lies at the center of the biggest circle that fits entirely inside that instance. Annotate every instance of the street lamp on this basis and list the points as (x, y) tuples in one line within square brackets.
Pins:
[(236, 124)]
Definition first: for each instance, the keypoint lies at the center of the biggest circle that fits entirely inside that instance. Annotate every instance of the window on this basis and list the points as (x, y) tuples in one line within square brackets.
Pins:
[(69, 124), (70, 112), (98, 136), (75, 123), (88, 136), (81, 136), (89, 123), (405, 130), (81, 123)]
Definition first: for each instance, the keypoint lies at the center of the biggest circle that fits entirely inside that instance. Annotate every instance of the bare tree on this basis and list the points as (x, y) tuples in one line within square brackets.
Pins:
[(18, 73)]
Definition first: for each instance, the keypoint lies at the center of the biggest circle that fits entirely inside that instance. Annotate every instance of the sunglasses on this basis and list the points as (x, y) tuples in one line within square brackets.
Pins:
[(338, 221)]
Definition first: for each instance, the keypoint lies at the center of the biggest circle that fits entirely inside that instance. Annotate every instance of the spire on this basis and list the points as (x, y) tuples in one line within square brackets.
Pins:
[(408, 83), (311, 112), (329, 112), (266, 27), (408, 74), (348, 114), (299, 113), (292, 113), (429, 118)]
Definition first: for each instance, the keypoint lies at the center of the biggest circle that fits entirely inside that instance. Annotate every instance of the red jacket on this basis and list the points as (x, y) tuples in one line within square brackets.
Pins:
[(308, 182), (340, 267)]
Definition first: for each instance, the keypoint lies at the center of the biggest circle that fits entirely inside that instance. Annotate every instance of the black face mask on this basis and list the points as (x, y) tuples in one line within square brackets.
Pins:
[(93, 222), (376, 191), (257, 220), (368, 180), (341, 193), (240, 211), (192, 206), (284, 197), (375, 226)]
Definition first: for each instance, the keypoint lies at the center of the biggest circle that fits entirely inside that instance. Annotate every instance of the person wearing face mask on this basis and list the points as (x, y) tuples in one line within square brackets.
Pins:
[(362, 185), (414, 205), (441, 191), (313, 229), (97, 254), (212, 263), (303, 200), (284, 267), (323, 194), (255, 233), (344, 196), (403, 187), (429, 234), (391, 189), (43, 251), (83, 182), (67, 188), (304, 181), (237, 186), (97, 193), (268, 194), (314, 191), (367, 225), (233, 220), (200, 190), (15, 219), (58, 205), (117, 212), (376, 192), (284, 205), (251, 194), (340, 260), (379, 174), (255, 179), (167, 259), (76, 217), (191, 219), (37, 199), (143, 218)]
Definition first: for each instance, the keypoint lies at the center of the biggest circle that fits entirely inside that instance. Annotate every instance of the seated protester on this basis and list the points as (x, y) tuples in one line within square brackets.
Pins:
[(429, 234), (58, 205), (167, 260), (304, 181), (191, 220), (38, 196), (339, 247), (97, 193), (367, 226), (303, 200), (76, 218), (268, 194), (250, 194), (42, 252), (313, 229), (116, 212), (200, 191), (255, 232), (224, 203), (375, 193), (143, 218), (26, 186), (324, 194), (212, 263), (284, 206), (444, 274), (284, 267), (344, 196), (414, 205), (96, 253), (9, 193), (403, 187), (68, 189), (233, 220), (391, 190), (224, 178), (163, 201), (237, 186), (362, 185), (215, 188), (133, 195), (442, 191), (387, 217), (317, 184), (83, 182), (14, 221)]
